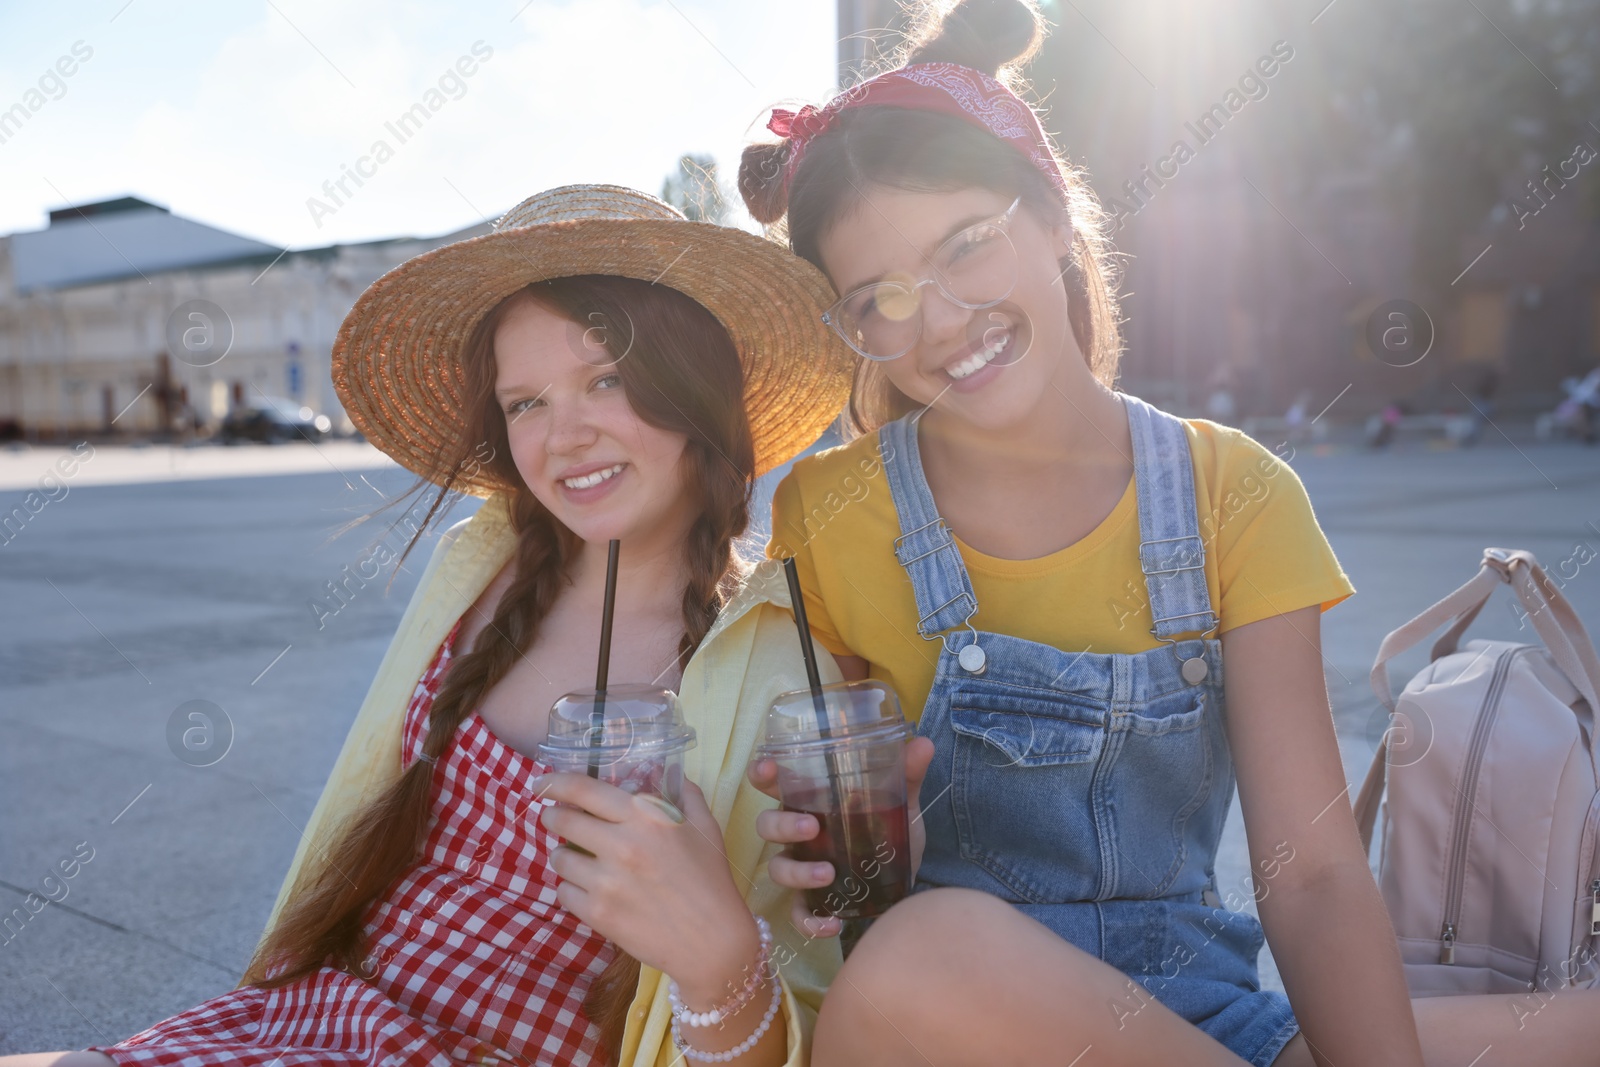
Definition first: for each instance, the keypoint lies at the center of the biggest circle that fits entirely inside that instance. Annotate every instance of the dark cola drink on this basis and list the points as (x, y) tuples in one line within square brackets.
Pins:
[(868, 847), (840, 755)]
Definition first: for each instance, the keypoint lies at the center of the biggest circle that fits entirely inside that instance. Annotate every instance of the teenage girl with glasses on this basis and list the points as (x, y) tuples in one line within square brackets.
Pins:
[(1102, 613)]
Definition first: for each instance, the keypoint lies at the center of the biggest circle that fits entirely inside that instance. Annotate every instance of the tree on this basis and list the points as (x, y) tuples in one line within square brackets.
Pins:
[(1476, 97), (1398, 142), (694, 190)]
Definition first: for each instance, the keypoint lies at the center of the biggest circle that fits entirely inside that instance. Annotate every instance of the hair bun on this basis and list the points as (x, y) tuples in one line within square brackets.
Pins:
[(761, 181), (983, 34)]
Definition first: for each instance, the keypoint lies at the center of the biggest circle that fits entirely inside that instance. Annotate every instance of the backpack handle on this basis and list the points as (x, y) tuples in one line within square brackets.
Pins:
[(1463, 604), (1460, 607), (1366, 802), (1553, 618), (1556, 623)]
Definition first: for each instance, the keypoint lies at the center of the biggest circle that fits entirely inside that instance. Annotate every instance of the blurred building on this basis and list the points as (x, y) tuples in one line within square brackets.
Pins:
[(121, 317), (1279, 291), (868, 31), (1531, 307), (1262, 257)]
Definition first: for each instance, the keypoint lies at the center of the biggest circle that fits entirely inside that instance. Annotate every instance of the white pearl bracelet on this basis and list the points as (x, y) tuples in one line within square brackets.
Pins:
[(682, 1016), (733, 1004), (742, 1047)]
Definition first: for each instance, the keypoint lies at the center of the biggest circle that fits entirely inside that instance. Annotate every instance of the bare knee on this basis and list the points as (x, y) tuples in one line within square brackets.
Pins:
[(897, 971), (931, 934), (58, 1059), (968, 978), (908, 934)]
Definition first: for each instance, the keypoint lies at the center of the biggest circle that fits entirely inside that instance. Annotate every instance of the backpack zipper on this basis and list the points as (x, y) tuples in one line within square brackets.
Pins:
[(1594, 908), (1462, 820)]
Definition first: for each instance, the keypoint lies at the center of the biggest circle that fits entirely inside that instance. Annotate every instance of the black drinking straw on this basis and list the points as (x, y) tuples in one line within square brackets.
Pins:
[(809, 653), (597, 718), (850, 929)]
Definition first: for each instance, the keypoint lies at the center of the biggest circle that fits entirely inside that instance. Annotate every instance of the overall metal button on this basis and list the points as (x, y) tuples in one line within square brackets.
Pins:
[(1195, 670), (972, 659)]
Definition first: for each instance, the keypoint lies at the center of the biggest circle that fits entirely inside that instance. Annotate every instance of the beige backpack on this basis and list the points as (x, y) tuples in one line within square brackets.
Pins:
[(1488, 861)]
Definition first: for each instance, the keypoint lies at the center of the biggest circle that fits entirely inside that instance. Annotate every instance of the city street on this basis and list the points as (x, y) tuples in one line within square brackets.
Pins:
[(126, 602)]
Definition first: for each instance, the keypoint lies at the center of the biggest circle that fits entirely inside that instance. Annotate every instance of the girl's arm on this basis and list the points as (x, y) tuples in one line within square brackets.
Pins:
[(657, 883), (1319, 904), (854, 668)]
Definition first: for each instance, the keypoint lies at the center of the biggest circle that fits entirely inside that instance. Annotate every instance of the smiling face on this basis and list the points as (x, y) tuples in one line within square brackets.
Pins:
[(578, 444), (990, 366)]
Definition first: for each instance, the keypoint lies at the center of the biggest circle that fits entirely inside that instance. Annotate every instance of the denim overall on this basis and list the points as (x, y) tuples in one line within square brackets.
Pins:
[(1089, 789)]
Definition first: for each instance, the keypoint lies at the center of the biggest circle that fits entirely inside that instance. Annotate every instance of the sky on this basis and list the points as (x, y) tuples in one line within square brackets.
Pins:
[(236, 114)]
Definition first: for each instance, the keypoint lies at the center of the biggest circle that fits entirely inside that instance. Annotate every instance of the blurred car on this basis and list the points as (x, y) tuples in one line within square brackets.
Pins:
[(274, 419)]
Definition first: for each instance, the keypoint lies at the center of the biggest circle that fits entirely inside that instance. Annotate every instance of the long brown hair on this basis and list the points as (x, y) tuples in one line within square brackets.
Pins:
[(681, 373), (928, 152)]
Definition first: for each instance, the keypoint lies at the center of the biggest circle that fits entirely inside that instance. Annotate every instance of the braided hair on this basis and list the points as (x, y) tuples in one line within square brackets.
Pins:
[(681, 373)]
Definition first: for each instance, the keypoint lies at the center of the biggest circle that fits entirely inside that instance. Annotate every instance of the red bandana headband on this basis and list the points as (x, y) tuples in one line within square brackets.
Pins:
[(946, 88)]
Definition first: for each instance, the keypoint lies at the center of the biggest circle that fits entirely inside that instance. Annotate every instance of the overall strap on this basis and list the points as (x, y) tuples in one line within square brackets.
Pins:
[(1171, 552), (925, 548)]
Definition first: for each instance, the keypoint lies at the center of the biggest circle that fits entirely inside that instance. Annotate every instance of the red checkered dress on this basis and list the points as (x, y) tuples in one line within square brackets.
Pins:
[(471, 958)]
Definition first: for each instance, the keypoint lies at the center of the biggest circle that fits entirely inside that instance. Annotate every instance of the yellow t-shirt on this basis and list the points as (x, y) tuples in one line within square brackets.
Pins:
[(1265, 556)]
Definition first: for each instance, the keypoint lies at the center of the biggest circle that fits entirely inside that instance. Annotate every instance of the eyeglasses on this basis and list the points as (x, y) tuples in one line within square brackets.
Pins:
[(977, 268)]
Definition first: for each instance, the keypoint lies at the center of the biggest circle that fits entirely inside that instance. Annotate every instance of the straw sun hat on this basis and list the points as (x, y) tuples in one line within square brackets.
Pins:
[(397, 360)]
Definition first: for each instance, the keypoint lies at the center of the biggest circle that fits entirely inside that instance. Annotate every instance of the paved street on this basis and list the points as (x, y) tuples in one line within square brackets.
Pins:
[(125, 602)]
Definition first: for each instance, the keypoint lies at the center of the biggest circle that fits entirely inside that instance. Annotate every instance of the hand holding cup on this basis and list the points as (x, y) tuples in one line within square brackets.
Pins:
[(651, 876), (850, 815)]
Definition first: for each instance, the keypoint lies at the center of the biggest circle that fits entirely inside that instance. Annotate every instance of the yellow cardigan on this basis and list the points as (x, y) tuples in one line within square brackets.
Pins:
[(750, 655)]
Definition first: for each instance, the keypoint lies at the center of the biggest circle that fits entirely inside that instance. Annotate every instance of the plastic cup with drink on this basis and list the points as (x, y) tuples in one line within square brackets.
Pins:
[(840, 754), (637, 744), (845, 765), (629, 736)]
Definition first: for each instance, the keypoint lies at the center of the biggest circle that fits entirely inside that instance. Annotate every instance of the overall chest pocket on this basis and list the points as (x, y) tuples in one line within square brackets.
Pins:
[(1161, 777), (1023, 773)]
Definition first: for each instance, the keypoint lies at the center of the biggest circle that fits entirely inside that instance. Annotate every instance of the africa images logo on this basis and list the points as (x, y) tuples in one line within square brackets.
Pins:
[(404, 127), (1252, 86)]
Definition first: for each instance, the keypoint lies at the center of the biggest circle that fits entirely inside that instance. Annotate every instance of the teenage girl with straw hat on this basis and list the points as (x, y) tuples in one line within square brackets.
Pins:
[(1099, 611), (597, 367)]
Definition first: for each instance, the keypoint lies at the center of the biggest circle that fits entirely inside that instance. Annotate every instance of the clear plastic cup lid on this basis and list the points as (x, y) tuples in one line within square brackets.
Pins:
[(852, 713), (633, 721)]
